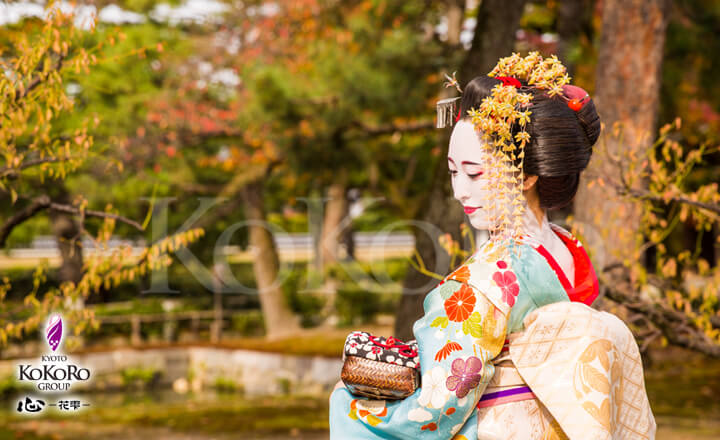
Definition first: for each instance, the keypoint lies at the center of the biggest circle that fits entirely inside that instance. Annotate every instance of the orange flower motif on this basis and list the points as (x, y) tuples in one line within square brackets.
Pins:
[(461, 274), (446, 350), (461, 304)]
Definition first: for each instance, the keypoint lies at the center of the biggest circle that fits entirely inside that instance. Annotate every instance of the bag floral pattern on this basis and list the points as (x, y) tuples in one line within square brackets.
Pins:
[(365, 345)]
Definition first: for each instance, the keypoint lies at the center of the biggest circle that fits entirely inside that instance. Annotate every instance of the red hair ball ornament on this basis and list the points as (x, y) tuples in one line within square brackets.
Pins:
[(577, 97)]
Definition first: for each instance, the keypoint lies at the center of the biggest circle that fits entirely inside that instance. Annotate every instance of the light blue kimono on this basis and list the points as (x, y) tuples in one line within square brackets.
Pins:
[(466, 321)]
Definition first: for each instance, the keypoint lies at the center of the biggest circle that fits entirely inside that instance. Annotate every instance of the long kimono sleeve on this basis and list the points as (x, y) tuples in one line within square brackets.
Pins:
[(463, 328)]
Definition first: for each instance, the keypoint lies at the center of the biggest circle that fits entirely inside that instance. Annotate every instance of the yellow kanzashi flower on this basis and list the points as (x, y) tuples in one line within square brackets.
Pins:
[(522, 136)]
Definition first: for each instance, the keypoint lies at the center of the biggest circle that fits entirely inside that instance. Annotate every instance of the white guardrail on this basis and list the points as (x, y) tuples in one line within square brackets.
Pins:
[(46, 246)]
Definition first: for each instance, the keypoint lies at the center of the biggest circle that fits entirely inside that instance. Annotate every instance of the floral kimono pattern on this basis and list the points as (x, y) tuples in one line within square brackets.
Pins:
[(463, 328), (468, 318)]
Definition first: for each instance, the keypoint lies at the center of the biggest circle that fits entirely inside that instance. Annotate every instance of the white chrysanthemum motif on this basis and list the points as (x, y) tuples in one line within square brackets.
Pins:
[(434, 393)]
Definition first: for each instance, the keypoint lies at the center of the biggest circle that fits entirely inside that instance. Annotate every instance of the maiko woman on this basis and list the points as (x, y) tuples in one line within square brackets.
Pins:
[(509, 347)]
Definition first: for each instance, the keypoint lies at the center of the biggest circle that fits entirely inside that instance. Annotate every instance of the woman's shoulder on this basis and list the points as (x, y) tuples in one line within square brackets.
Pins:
[(489, 272)]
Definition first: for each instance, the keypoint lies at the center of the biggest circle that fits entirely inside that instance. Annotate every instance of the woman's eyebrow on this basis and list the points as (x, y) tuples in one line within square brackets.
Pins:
[(451, 161), (467, 162)]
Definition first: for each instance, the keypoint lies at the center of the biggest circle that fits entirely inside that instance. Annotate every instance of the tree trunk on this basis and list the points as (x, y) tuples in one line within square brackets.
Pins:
[(67, 235), (572, 17), (66, 232), (627, 91), (333, 231), (497, 22), (494, 38), (279, 319)]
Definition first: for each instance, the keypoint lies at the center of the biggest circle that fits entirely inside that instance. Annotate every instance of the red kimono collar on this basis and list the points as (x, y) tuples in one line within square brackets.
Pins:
[(586, 283)]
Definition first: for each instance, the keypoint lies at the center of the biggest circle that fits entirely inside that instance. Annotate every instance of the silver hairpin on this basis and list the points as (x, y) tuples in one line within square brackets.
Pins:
[(446, 111)]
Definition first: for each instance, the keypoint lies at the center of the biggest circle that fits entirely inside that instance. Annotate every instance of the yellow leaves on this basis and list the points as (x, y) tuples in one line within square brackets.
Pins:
[(353, 414), (305, 128), (703, 267), (373, 420), (440, 321), (472, 326), (669, 269)]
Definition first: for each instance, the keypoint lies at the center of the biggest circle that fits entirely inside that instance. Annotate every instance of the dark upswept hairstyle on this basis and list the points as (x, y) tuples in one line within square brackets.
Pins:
[(561, 140)]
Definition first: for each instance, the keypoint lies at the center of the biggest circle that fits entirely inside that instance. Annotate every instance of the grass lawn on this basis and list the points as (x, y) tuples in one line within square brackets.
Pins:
[(201, 416)]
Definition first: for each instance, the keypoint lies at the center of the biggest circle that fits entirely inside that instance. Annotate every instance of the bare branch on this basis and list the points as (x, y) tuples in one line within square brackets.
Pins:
[(38, 80), (676, 326), (43, 202), (646, 195), (38, 204), (200, 188), (12, 171), (623, 189), (91, 213)]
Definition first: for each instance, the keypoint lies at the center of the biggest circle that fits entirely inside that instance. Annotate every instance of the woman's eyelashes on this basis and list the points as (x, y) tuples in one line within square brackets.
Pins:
[(472, 176)]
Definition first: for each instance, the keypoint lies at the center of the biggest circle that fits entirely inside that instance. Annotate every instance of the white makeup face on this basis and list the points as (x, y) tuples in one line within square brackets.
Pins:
[(470, 164)]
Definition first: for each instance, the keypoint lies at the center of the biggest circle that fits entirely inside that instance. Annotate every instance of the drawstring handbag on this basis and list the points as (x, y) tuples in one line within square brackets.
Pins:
[(380, 368)]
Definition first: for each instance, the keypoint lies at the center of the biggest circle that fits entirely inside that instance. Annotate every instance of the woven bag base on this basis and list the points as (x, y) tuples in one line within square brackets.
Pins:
[(378, 380)]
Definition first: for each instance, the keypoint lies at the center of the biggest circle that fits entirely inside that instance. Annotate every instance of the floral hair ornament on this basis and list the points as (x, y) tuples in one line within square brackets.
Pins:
[(501, 121)]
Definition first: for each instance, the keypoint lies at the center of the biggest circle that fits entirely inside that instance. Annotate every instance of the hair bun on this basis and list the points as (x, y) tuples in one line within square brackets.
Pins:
[(589, 121)]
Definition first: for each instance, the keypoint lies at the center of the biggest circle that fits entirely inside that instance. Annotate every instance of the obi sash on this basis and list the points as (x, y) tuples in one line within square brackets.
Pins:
[(506, 385)]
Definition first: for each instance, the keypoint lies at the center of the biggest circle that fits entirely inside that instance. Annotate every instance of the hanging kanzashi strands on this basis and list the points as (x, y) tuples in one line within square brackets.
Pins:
[(502, 120)]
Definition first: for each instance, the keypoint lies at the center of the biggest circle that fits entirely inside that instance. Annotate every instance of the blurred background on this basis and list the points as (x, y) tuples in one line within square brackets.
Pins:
[(213, 194)]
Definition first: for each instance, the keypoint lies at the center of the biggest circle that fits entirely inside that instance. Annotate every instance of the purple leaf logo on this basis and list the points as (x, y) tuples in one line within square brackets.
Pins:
[(53, 332)]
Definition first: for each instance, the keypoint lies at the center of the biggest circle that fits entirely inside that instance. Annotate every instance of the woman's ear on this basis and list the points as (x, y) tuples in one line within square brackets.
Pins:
[(529, 182)]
